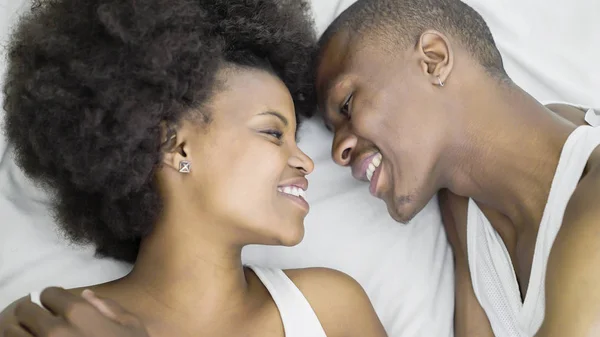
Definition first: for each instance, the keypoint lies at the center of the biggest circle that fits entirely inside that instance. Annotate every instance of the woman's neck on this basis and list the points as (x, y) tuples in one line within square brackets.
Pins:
[(186, 270)]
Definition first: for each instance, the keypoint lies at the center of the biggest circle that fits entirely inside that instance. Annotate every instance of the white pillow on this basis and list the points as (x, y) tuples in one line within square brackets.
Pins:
[(548, 47)]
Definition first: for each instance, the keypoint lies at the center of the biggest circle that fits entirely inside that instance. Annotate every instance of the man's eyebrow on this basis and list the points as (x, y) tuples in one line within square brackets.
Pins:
[(276, 114)]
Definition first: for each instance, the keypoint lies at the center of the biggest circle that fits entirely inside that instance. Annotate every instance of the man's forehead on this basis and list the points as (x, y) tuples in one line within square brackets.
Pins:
[(345, 52), (332, 60)]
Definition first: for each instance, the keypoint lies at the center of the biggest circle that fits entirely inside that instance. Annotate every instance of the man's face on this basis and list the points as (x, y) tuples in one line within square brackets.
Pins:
[(389, 123)]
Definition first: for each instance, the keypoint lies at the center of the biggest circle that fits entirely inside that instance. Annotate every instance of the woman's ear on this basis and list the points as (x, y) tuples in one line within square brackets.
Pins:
[(173, 146), (437, 57)]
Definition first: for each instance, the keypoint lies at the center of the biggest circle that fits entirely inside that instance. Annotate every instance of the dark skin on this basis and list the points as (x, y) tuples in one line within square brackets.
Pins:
[(474, 137), (70, 315)]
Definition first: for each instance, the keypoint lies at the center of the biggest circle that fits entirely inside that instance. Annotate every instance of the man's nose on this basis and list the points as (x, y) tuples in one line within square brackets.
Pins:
[(344, 144)]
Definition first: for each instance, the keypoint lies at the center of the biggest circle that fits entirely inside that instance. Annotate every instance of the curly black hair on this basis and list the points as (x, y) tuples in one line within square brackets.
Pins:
[(89, 83)]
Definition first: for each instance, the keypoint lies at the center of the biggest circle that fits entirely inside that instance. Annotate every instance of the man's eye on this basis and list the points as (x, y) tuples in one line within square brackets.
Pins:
[(345, 110)]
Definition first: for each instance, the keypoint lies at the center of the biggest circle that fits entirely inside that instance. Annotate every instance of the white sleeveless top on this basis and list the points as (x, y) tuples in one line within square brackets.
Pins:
[(298, 317), (494, 280)]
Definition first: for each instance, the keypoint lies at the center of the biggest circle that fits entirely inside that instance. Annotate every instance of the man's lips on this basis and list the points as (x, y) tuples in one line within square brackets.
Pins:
[(360, 165)]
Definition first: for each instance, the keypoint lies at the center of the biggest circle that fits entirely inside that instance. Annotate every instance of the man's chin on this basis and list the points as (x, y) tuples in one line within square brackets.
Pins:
[(399, 215), (401, 208)]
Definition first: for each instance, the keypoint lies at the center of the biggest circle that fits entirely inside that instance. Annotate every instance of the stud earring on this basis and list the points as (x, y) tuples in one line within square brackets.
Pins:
[(185, 166), (440, 81)]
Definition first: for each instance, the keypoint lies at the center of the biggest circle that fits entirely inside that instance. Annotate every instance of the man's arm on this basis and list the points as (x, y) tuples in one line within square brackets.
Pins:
[(7, 316), (573, 276), (67, 314), (469, 318)]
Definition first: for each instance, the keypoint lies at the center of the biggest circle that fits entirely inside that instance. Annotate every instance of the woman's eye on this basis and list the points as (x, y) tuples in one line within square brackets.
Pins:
[(345, 110), (274, 133)]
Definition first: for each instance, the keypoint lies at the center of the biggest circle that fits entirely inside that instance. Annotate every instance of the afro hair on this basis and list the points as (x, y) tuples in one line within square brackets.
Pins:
[(89, 83)]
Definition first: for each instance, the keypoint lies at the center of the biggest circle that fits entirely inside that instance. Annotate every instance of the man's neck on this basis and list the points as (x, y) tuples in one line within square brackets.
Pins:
[(509, 157)]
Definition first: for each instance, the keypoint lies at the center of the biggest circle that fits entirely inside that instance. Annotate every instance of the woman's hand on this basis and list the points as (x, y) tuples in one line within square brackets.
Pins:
[(69, 315)]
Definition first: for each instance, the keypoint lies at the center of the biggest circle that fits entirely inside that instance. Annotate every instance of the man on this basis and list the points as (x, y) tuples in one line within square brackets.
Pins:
[(417, 95)]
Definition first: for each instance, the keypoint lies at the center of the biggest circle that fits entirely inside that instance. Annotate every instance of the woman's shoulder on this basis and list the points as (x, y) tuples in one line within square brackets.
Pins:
[(326, 282), (339, 301), (328, 289)]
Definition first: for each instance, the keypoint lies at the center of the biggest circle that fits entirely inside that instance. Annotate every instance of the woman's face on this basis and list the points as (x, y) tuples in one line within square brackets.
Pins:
[(247, 173)]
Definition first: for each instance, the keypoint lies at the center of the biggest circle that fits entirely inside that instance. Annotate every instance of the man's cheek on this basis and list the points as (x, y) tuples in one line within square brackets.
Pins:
[(371, 125)]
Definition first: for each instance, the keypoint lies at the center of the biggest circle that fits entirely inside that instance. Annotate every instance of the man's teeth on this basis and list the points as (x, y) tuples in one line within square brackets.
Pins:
[(293, 190), (373, 165)]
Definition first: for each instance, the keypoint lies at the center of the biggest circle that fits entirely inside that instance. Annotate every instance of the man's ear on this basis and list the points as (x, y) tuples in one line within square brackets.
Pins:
[(436, 56), (174, 146)]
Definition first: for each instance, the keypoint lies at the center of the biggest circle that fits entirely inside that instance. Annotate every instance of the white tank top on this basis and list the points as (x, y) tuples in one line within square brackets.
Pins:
[(494, 280), (298, 317)]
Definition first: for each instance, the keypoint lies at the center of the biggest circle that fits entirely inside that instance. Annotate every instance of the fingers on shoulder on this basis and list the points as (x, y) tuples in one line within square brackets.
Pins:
[(7, 316)]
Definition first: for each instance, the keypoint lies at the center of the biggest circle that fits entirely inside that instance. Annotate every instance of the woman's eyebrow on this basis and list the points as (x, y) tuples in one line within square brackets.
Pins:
[(276, 114)]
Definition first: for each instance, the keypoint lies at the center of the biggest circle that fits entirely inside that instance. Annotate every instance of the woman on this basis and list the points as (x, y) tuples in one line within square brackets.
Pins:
[(166, 131)]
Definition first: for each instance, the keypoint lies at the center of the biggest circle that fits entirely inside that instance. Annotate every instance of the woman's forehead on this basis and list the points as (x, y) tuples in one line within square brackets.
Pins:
[(253, 91)]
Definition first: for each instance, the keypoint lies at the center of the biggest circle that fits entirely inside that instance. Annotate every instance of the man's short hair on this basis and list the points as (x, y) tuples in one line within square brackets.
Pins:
[(405, 20)]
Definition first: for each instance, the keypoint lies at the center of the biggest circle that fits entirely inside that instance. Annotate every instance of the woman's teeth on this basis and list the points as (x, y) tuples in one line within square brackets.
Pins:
[(293, 190), (373, 165)]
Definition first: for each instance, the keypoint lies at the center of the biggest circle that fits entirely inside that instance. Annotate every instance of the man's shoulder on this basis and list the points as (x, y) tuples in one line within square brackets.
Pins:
[(583, 207), (572, 295), (593, 166)]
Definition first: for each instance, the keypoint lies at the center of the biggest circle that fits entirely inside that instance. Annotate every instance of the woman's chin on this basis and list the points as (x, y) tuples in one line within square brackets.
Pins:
[(291, 234)]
